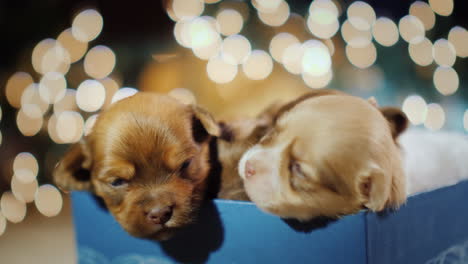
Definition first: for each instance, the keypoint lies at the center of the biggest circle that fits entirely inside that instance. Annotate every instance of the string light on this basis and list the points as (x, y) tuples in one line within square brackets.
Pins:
[(76, 49), (15, 86), (411, 29), (316, 60), (268, 6), (187, 9), (444, 53), (52, 87), (38, 53), (424, 12), (48, 200), (3, 223), (317, 82), (435, 117), (361, 15), (258, 65), (385, 32), (415, 108), (442, 7), (204, 37), (55, 59), (458, 36), (230, 22), (90, 95), (235, 49), (52, 129), (99, 62), (446, 80), (13, 209), (323, 19), (279, 43), (28, 126), (362, 57), (67, 103), (292, 58), (87, 25), (421, 53), (25, 167), (69, 126), (31, 96), (221, 71), (355, 37), (276, 18), (24, 192)]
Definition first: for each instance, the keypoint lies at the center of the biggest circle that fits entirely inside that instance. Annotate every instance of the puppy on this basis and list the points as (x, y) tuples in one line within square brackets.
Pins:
[(153, 160), (327, 154)]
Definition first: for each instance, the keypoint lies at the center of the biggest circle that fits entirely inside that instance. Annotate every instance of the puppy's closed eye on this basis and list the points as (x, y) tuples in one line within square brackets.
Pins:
[(183, 168), (118, 182)]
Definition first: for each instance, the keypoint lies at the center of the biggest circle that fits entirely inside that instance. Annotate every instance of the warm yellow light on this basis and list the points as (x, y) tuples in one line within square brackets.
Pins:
[(444, 53), (3, 223), (267, 6), (230, 22), (317, 82), (122, 93), (276, 18), (465, 120), (187, 9), (13, 209), (111, 87), (204, 37), (181, 33), (292, 58), (68, 102), (258, 65), (385, 32), (221, 71), (327, 5), (25, 167), (279, 43), (15, 86), (355, 37), (48, 200), (52, 129), (31, 102), (99, 62), (442, 7), (28, 126), (323, 19), (458, 36), (421, 53), (435, 117), (52, 87), (89, 124), (424, 12), (24, 192), (415, 108), (183, 95), (69, 126), (411, 29), (76, 49), (362, 57), (90, 95), (235, 49), (56, 59), (38, 53), (211, 1), (87, 25), (446, 80), (361, 15), (316, 60)]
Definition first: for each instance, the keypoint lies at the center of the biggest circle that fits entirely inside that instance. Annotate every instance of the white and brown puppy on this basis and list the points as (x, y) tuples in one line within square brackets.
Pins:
[(327, 154)]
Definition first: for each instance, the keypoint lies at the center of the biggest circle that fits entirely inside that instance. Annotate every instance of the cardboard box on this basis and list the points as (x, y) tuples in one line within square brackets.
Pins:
[(431, 228)]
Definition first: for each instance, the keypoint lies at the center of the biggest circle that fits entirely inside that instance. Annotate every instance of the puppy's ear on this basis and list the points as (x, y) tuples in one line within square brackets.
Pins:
[(373, 188), (73, 172), (203, 124), (396, 118)]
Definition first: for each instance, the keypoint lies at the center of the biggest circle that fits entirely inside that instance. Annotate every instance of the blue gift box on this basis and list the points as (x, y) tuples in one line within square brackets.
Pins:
[(430, 228)]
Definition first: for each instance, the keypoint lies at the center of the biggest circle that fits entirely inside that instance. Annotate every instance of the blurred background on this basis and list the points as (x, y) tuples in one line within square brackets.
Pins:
[(64, 61)]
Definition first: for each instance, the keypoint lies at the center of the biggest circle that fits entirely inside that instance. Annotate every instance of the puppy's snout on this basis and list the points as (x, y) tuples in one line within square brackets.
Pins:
[(159, 215), (249, 169)]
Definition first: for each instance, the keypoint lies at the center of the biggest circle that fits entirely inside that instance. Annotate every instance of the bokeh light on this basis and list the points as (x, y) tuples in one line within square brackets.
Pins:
[(52, 87), (362, 57), (76, 49), (316, 60), (354, 36), (292, 58), (48, 200), (67, 103), (69, 126), (234, 50), (415, 108), (122, 93), (221, 71), (90, 95), (458, 36), (38, 53), (267, 6), (181, 33), (230, 22), (385, 32), (28, 126), (89, 124), (276, 18), (323, 19), (361, 15), (258, 65), (444, 53), (31, 101), (465, 120), (204, 38), (187, 9), (24, 192), (183, 95), (317, 82), (424, 12), (435, 118), (279, 43), (55, 59), (99, 62), (13, 209), (3, 223), (446, 80), (442, 7), (15, 86), (411, 29), (421, 53), (87, 25), (52, 129), (25, 167)]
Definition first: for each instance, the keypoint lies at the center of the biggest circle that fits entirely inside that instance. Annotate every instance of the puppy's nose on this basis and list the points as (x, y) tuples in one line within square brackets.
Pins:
[(159, 215), (249, 169)]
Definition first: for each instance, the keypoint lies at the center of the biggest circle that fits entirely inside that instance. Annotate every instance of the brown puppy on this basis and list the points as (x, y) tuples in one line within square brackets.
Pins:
[(327, 154), (152, 160)]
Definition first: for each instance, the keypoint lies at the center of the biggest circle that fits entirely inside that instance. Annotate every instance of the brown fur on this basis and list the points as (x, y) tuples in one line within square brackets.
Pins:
[(144, 141), (327, 156)]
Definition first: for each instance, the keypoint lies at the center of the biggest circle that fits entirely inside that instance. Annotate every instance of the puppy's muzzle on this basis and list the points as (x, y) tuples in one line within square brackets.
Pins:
[(159, 215)]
